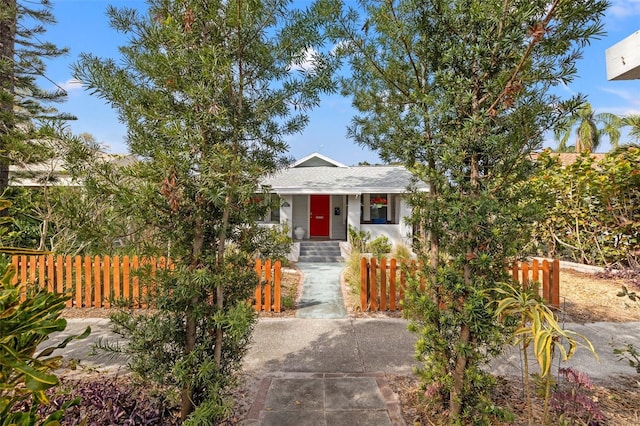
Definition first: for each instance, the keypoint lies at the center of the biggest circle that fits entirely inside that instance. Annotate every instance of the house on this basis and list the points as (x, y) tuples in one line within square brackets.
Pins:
[(320, 198)]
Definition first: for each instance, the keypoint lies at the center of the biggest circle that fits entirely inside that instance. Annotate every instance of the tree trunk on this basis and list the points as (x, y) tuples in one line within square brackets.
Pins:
[(7, 78), (186, 403), (455, 396), (222, 237)]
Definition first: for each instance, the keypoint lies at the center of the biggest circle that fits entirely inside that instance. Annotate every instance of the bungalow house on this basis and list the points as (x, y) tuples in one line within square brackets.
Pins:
[(320, 198)]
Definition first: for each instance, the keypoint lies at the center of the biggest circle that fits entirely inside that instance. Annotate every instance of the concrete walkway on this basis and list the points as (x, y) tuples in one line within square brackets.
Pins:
[(321, 291)]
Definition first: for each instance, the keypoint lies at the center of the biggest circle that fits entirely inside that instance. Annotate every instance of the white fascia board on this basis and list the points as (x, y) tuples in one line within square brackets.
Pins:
[(303, 191), (623, 59), (320, 156)]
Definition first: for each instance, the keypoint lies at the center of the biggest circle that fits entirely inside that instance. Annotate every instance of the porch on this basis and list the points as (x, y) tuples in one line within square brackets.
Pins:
[(329, 216)]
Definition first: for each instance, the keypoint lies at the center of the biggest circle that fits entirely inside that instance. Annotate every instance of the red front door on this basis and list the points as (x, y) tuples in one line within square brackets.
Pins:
[(319, 219)]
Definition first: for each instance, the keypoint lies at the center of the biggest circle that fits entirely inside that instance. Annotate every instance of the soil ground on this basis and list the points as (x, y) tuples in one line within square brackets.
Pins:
[(585, 298)]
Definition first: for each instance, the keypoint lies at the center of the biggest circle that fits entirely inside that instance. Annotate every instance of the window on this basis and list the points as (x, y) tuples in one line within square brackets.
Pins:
[(274, 208), (378, 206), (272, 203)]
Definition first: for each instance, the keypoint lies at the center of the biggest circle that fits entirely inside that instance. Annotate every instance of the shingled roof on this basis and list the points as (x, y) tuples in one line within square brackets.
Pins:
[(330, 177)]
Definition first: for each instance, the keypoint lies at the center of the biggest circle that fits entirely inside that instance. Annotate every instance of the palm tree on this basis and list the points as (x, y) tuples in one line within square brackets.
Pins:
[(633, 121), (588, 135)]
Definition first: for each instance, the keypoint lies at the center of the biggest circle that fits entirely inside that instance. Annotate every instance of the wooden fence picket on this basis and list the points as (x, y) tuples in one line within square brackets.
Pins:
[(379, 292), (99, 281)]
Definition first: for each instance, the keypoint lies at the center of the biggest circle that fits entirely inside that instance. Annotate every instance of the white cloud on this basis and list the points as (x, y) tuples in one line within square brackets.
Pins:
[(630, 102), (624, 8), (307, 62), (70, 85)]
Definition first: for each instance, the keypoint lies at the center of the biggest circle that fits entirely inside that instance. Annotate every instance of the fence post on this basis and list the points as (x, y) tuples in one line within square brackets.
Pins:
[(535, 267), (546, 294), (126, 280), (78, 281), (106, 281), (135, 280), (525, 275), (277, 279), (87, 282), (383, 284), (555, 283), (116, 278), (392, 284), (515, 268), (42, 279), (403, 279), (69, 280), (267, 285), (364, 280), (23, 273), (373, 285), (97, 285), (59, 270), (50, 279), (258, 293)]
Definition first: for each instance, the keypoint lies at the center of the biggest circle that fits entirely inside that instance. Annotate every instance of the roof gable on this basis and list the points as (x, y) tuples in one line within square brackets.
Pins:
[(317, 160)]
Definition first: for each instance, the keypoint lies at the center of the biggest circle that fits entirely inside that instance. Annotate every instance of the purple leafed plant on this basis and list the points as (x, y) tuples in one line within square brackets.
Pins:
[(575, 404), (110, 401)]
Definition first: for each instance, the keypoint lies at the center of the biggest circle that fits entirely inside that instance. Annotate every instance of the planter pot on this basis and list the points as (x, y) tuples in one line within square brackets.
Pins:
[(299, 233)]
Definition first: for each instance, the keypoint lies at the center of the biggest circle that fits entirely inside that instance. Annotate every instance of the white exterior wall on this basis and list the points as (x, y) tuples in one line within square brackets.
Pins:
[(390, 231), (286, 213), (300, 215), (338, 222), (406, 230), (353, 214)]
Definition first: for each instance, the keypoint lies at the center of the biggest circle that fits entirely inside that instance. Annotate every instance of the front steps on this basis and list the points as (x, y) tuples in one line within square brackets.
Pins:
[(319, 251)]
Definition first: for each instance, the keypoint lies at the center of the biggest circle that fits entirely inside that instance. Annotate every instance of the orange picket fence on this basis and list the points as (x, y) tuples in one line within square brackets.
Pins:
[(383, 282), (99, 281)]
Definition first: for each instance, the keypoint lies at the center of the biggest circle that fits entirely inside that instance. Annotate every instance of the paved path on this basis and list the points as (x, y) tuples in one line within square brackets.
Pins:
[(321, 291), (328, 371)]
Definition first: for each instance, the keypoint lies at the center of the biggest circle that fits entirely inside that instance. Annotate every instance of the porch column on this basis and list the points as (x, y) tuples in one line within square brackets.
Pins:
[(366, 207), (353, 213)]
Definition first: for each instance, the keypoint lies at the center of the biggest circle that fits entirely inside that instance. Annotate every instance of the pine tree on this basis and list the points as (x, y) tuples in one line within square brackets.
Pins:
[(459, 91), (26, 113), (207, 90)]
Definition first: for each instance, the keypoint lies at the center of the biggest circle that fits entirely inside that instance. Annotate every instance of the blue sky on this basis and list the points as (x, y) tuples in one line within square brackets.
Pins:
[(83, 27)]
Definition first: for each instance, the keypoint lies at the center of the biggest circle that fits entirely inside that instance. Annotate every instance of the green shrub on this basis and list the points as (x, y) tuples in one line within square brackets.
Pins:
[(380, 246), (274, 242), (358, 239), (24, 376), (592, 208), (401, 252)]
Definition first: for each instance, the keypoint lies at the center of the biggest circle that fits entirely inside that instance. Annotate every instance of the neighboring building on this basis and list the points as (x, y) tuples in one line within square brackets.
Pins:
[(52, 172), (320, 198), (568, 158), (623, 59)]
